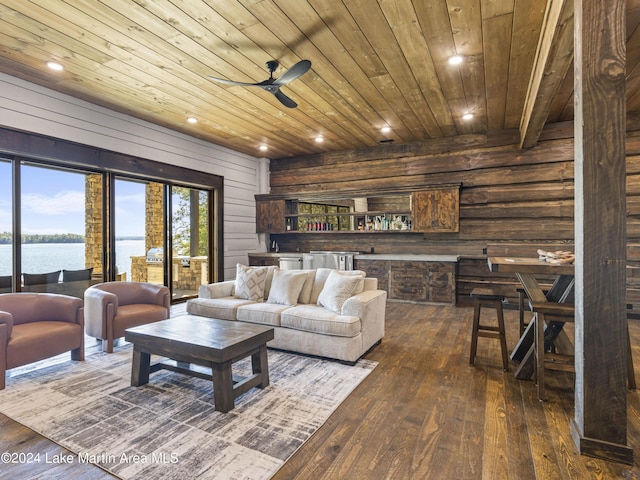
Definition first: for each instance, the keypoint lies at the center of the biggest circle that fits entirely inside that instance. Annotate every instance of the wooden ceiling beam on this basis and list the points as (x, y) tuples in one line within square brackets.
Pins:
[(551, 64)]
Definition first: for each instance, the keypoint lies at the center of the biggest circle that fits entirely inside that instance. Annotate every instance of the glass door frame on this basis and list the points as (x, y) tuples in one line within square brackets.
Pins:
[(212, 241), (215, 233)]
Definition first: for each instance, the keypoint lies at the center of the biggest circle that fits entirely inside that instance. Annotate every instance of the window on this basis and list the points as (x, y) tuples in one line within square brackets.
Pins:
[(74, 221), (55, 257)]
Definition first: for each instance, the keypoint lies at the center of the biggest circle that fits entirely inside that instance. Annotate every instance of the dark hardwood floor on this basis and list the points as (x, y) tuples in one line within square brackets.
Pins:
[(424, 413)]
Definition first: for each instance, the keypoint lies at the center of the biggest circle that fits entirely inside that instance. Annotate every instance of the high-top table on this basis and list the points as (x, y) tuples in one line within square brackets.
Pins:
[(217, 344), (561, 291)]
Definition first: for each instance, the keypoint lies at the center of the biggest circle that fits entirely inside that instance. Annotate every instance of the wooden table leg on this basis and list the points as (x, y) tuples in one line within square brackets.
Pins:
[(223, 395), (259, 365), (140, 367), (524, 352)]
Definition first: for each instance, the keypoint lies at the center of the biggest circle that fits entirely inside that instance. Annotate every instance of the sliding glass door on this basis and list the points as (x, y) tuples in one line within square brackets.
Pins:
[(190, 240), (58, 253), (63, 229), (139, 231)]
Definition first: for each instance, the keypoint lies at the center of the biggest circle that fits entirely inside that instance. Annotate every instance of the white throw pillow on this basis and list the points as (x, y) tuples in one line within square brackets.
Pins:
[(307, 288), (338, 288), (321, 277), (267, 283), (250, 282), (286, 287)]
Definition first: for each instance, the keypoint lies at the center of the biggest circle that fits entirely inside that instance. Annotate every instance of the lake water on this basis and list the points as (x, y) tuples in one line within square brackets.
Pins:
[(49, 257)]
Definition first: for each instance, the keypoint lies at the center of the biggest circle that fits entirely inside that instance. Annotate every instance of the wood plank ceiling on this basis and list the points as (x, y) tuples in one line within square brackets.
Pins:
[(374, 64)]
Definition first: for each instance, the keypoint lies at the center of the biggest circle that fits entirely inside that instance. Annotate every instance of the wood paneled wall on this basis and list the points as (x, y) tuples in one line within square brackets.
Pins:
[(512, 201)]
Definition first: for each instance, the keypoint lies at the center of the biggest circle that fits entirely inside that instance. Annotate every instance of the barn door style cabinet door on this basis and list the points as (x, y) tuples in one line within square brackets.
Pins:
[(436, 209), (270, 216), (431, 282)]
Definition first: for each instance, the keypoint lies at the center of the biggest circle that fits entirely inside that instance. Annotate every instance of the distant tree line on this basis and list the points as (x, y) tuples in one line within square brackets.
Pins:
[(6, 238)]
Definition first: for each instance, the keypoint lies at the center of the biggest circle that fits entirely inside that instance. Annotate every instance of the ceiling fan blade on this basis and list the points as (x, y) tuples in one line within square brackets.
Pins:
[(294, 72), (231, 82), (286, 101)]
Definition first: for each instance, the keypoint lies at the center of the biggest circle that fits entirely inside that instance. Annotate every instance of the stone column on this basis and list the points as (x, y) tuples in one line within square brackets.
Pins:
[(93, 223)]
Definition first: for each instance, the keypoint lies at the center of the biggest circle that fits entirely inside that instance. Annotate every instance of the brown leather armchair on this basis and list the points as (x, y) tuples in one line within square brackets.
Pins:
[(112, 307), (35, 326)]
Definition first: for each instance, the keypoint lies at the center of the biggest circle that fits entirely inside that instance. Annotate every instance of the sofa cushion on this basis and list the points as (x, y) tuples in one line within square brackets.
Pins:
[(35, 341), (321, 277), (338, 288), (223, 308), (262, 313), (132, 315), (250, 282), (316, 319), (286, 286)]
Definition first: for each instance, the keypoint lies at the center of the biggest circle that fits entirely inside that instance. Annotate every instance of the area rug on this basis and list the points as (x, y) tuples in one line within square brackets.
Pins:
[(168, 428)]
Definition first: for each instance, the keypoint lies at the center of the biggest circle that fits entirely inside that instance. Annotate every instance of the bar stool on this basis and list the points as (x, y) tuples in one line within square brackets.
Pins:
[(486, 297)]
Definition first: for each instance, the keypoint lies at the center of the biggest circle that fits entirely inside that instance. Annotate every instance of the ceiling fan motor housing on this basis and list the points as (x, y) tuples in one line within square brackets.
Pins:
[(272, 66)]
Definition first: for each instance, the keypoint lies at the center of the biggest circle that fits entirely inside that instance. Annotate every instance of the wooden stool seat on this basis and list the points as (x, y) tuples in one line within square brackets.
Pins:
[(488, 298)]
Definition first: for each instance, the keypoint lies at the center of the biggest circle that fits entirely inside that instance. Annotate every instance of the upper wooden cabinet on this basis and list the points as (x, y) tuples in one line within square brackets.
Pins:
[(436, 209), (430, 210), (270, 216)]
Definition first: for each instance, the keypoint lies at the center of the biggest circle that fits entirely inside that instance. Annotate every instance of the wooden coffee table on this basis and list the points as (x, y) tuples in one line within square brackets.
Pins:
[(208, 342)]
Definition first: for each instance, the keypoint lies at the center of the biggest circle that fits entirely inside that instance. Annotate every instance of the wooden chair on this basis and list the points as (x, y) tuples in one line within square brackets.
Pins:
[(544, 312), (485, 297), (562, 312), (522, 296)]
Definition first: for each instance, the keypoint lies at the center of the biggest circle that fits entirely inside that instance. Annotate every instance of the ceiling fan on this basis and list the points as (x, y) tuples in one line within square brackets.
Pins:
[(273, 85)]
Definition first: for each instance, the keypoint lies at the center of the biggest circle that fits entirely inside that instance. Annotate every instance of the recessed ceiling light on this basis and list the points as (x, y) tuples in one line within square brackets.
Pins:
[(263, 148), (192, 120), (55, 66), (467, 116), (385, 129), (455, 60), (319, 139)]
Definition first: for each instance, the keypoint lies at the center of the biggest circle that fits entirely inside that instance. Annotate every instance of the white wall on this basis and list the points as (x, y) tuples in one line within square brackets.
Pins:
[(31, 108)]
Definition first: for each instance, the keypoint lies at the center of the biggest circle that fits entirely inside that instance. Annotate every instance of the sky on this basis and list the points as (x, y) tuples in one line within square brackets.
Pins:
[(53, 202)]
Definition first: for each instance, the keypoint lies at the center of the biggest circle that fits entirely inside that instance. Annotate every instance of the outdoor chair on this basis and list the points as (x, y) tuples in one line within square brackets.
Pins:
[(5, 283)]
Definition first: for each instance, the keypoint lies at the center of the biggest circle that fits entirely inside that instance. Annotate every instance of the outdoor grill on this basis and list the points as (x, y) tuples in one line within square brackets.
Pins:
[(155, 255)]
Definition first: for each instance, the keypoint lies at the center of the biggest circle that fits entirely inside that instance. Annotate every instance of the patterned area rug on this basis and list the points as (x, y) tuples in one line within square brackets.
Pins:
[(168, 428)]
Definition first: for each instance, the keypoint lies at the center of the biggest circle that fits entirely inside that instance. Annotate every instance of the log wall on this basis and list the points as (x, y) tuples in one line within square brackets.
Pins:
[(512, 201)]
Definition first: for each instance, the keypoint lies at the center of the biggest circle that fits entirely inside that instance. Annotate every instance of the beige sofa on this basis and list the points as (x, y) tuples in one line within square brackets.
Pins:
[(321, 312)]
